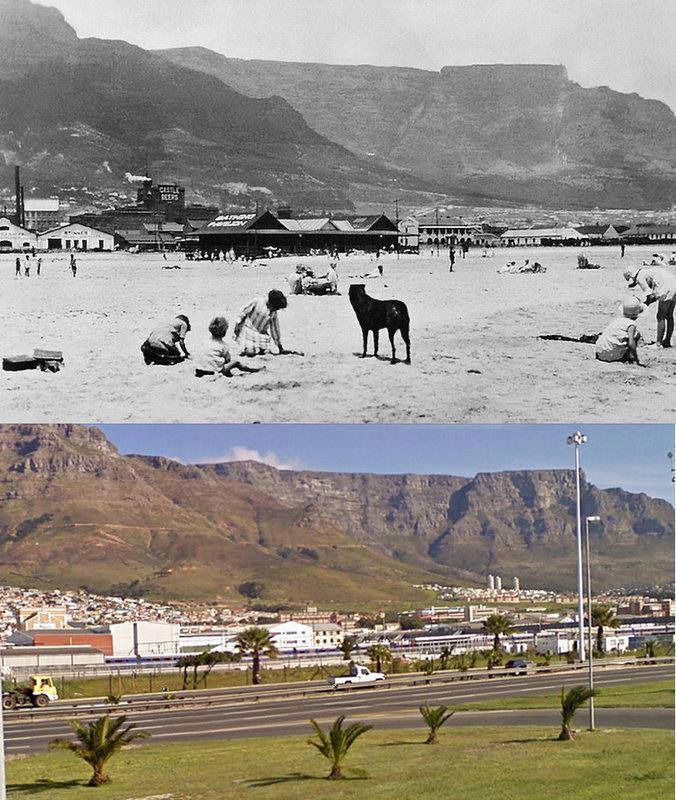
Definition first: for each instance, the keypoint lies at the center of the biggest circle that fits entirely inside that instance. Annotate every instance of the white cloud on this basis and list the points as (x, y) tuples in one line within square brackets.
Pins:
[(241, 453)]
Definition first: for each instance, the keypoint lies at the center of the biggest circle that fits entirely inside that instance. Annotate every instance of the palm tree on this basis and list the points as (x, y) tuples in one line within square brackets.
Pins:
[(335, 743), (98, 741), (570, 703), (380, 654), (445, 656), (497, 625), (257, 642), (435, 718), (347, 646), (603, 617)]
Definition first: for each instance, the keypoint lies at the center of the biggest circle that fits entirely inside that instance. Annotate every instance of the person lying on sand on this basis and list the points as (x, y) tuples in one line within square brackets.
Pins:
[(257, 327), (656, 260), (619, 340), (511, 268), (660, 286), (166, 343), (214, 358), (371, 275)]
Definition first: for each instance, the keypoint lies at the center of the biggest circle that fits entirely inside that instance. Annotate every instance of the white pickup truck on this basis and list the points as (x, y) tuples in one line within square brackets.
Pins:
[(358, 676)]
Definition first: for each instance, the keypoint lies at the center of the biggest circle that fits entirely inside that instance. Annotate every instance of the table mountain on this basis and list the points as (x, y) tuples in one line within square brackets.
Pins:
[(74, 512), (84, 112), (519, 132)]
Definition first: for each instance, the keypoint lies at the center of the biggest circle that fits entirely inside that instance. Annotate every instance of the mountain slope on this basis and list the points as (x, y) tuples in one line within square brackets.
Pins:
[(73, 512), (520, 132), (87, 111)]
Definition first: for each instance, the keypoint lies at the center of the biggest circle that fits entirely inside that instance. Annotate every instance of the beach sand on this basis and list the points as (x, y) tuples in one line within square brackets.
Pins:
[(476, 355)]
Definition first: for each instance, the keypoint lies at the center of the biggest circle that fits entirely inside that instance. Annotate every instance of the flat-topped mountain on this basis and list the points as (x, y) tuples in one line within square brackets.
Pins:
[(520, 132), (75, 512)]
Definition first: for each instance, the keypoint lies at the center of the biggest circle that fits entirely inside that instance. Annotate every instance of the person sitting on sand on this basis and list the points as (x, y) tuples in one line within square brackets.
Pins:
[(295, 280), (321, 284), (257, 327), (215, 358), (619, 340), (660, 286), (166, 343)]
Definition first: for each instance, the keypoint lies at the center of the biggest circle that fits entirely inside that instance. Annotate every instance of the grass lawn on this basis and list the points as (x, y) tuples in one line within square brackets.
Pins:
[(511, 763), (655, 694)]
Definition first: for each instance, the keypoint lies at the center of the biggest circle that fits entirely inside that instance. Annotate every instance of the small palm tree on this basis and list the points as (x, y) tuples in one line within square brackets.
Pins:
[(98, 741), (380, 654), (257, 642), (445, 656), (435, 718), (570, 702), (497, 625), (347, 646), (335, 743), (603, 617)]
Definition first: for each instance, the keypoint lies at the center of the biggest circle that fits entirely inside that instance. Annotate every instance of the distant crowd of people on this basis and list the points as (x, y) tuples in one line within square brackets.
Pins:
[(22, 267)]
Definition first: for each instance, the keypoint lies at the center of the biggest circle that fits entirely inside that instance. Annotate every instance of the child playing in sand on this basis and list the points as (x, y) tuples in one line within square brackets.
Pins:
[(257, 327), (166, 343), (215, 358), (619, 340)]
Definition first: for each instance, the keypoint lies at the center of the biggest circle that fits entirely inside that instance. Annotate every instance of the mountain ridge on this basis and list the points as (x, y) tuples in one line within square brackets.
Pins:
[(74, 511)]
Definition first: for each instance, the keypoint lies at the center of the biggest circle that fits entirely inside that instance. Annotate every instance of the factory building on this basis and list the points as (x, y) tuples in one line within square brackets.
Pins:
[(75, 237), (42, 213), (15, 238), (34, 659)]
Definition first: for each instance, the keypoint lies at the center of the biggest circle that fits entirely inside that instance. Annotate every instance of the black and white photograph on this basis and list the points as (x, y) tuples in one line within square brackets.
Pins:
[(337, 400), (239, 189)]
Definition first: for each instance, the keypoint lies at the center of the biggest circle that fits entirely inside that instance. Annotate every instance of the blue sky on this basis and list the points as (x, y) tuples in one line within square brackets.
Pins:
[(631, 456)]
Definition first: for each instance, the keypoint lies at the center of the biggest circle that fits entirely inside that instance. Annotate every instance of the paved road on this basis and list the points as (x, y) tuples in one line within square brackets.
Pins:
[(393, 707)]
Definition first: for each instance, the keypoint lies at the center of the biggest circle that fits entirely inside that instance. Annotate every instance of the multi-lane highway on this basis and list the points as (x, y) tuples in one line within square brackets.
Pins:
[(238, 714)]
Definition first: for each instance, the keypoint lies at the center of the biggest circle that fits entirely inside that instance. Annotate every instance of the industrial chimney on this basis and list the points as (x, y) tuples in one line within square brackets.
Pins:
[(17, 196)]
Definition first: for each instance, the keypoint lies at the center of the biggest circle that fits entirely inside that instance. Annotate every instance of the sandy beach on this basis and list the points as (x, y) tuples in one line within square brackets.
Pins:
[(475, 348)]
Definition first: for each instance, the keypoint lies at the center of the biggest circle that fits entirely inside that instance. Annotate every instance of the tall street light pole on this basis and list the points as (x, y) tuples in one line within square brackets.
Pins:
[(577, 439), (3, 782), (590, 644)]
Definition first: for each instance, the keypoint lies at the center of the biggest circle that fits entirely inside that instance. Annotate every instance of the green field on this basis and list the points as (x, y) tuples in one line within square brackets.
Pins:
[(655, 694), (509, 763)]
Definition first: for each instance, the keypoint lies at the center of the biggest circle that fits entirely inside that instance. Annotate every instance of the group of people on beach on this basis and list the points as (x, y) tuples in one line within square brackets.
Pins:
[(620, 340), (30, 259), (256, 331)]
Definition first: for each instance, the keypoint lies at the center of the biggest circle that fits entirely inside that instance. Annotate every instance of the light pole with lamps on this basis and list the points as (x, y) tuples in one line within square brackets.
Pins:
[(590, 644), (577, 439)]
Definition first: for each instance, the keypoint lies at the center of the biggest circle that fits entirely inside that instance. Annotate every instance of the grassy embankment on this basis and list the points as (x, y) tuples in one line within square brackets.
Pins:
[(477, 763)]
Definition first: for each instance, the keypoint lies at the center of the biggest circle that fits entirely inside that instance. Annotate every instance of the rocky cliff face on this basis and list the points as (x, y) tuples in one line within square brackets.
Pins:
[(73, 511), (85, 112), (511, 131)]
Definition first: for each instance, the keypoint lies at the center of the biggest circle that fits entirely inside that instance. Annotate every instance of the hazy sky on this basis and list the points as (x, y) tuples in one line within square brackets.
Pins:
[(625, 44), (631, 456)]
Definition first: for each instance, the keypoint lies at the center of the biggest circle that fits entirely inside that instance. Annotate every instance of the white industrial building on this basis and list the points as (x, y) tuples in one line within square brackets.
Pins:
[(555, 642), (75, 237), (14, 237), (144, 638), (292, 636), (535, 236), (22, 659)]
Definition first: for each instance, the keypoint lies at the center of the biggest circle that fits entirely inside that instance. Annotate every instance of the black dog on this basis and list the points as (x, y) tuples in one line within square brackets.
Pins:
[(375, 314)]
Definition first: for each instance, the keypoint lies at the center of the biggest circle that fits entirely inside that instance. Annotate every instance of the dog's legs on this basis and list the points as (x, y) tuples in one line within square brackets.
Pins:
[(407, 340), (375, 342), (365, 336), (392, 331)]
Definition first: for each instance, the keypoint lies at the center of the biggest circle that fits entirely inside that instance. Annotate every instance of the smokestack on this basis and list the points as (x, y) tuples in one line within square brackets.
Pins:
[(22, 220), (17, 194)]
